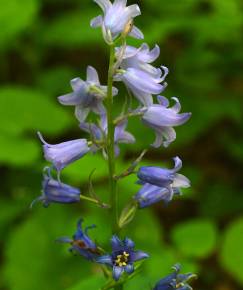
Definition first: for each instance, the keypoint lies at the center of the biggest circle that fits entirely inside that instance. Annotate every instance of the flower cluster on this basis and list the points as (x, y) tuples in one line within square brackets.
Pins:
[(94, 112)]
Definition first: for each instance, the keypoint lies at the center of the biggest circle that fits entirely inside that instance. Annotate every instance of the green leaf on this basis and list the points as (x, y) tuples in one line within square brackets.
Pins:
[(14, 19), (90, 283), (18, 151), (195, 238), (71, 29), (24, 109), (231, 252)]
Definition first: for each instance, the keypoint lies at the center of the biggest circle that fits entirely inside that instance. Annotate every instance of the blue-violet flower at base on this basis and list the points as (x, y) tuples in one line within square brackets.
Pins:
[(122, 257), (81, 243), (175, 281)]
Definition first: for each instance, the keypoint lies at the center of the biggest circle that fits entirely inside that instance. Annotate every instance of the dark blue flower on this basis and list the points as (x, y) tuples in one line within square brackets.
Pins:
[(81, 243), (162, 119), (160, 184), (55, 192), (116, 17), (122, 257), (175, 281), (87, 95), (61, 155)]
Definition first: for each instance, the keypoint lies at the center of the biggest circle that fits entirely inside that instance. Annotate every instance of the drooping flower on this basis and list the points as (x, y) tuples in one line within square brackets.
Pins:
[(55, 192), (175, 281), (81, 243), (143, 84), (160, 184), (99, 133), (116, 18), (139, 58), (122, 257), (87, 95), (61, 155), (162, 119)]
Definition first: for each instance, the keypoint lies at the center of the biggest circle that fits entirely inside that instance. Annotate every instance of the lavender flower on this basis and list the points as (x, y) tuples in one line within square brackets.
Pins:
[(55, 192), (142, 84), (87, 95), (162, 119), (175, 281), (99, 133), (160, 184), (139, 58), (122, 257), (81, 242), (61, 155), (116, 18)]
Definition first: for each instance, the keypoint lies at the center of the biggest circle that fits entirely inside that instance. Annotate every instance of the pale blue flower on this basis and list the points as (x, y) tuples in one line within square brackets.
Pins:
[(87, 95), (61, 155), (143, 84), (116, 17), (162, 119)]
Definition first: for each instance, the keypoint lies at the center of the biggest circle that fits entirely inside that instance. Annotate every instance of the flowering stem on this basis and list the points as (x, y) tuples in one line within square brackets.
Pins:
[(111, 145)]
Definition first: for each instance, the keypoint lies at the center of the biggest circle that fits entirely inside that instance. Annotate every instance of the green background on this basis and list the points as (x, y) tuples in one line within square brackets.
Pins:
[(44, 44)]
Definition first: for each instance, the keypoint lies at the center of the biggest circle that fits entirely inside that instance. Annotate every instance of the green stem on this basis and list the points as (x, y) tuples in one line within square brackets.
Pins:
[(111, 144)]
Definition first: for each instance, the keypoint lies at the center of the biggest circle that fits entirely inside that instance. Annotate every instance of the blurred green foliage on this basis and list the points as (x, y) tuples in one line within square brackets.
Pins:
[(44, 44)]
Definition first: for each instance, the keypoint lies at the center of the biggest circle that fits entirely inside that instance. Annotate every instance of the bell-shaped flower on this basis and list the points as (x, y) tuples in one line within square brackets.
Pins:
[(139, 58), (55, 192), (162, 119), (122, 258), (99, 133), (87, 95), (143, 84), (116, 19), (61, 155), (81, 243), (175, 281), (160, 183)]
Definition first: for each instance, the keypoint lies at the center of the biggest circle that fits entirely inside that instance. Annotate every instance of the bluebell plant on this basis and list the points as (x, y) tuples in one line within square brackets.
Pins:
[(133, 66)]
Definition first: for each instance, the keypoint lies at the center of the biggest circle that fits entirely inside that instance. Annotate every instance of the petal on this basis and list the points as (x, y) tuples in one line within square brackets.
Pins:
[(133, 11), (153, 54), (92, 75), (81, 113), (72, 99), (181, 181), (116, 244), (117, 272), (139, 255), (178, 164), (96, 22), (129, 243), (136, 33), (64, 240), (104, 4), (163, 101), (129, 269), (177, 106), (76, 83), (106, 259)]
